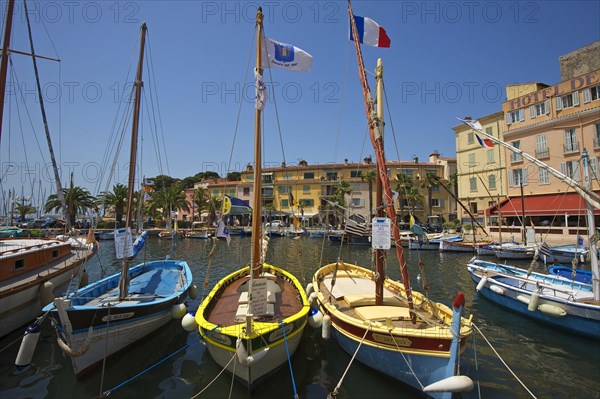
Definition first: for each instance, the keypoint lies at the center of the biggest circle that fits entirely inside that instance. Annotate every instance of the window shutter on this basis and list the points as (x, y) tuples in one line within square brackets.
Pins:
[(521, 115), (558, 101), (532, 113), (524, 176), (441, 201), (575, 95), (546, 107), (508, 119), (576, 171), (563, 168), (587, 95), (593, 165), (511, 178)]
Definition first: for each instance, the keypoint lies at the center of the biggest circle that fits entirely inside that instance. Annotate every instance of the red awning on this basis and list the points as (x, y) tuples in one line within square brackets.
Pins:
[(541, 205)]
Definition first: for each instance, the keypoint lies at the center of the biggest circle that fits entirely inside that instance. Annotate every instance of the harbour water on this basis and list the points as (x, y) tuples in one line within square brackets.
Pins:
[(552, 364)]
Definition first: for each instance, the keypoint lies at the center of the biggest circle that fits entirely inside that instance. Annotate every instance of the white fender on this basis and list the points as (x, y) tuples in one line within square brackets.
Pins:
[(533, 301), (456, 383), (497, 289), (309, 289), (193, 293), (325, 329), (243, 357), (178, 311), (312, 299), (188, 322), (315, 318), (84, 348), (47, 293), (481, 284), (523, 298), (552, 310), (28, 345)]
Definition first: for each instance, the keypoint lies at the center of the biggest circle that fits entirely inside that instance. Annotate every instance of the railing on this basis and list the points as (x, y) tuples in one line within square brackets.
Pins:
[(542, 153), (569, 148), (515, 158)]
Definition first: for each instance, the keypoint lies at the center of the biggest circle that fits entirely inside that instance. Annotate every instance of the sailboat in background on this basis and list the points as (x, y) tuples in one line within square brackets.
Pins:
[(383, 323), (253, 319), (108, 315), (562, 302)]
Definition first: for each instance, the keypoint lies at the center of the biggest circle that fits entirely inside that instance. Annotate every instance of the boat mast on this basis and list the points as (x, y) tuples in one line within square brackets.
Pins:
[(591, 225), (376, 141), (255, 259), (124, 281), (4, 61), (379, 253), (59, 189)]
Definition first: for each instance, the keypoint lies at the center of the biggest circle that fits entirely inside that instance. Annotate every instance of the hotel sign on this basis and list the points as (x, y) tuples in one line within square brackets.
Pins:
[(560, 89)]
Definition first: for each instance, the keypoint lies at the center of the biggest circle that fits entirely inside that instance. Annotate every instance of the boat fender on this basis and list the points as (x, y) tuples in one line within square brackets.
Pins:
[(193, 294), (47, 293), (312, 299), (533, 301), (28, 344), (243, 357), (552, 310), (315, 318), (84, 280), (326, 328), (188, 322), (84, 348), (456, 383), (178, 311), (497, 289), (523, 298), (309, 289), (481, 284)]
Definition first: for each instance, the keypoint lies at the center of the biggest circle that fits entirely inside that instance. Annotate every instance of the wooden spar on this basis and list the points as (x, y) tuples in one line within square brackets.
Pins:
[(376, 141), (523, 234), (59, 190), (124, 281), (591, 230), (379, 253), (255, 259), (4, 61), (587, 194)]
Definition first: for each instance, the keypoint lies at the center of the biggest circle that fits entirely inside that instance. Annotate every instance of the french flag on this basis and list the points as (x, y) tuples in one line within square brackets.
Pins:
[(484, 142), (370, 33)]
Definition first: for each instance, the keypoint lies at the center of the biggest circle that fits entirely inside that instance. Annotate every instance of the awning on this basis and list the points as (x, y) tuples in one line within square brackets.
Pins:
[(541, 205)]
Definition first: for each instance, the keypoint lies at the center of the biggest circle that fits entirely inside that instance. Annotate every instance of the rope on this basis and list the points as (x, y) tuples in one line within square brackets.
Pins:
[(503, 362), (214, 379), (287, 351), (407, 362), (337, 387), (476, 366)]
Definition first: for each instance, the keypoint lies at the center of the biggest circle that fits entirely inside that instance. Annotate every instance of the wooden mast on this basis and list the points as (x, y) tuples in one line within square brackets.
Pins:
[(124, 281), (4, 61), (379, 253), (255, 260), (376, 141)]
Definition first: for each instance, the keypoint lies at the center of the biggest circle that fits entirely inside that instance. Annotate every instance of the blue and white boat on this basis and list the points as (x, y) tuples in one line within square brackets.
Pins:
[(566, 254), (431, 244)]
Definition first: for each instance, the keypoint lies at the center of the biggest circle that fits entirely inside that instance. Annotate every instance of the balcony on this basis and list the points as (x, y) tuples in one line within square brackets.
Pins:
[(542, 153), (515, 158), (571, 148)]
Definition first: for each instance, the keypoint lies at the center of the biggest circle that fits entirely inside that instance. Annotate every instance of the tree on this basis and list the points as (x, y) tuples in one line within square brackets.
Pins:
[(169, 199), (413, 198), (116, 199), (404, 185), (339, 196), (234, 176), (22, 209), (77, 199), (428, 184), (370, 178), (200, 200)]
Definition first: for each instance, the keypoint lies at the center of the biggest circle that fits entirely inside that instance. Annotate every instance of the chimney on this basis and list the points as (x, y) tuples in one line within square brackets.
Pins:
[(415, 159), (303, 163), (346, 161), (283, 164), (249, 168), (434, 156), (368, 160)]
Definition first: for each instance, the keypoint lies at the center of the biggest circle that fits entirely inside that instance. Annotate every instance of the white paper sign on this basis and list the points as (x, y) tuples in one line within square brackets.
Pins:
[(381, 233), (123, 243), (258, 299)]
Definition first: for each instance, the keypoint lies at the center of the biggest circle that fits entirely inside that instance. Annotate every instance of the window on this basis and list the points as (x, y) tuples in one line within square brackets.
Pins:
[(594, 167), (539, 109), (437, 202), (432, 172), (55, 253), (331, 176), (544, 176), (356, 173), (567, 101), (267, 178), (473, 184), (309, 175), (19, 264), (514, 157), (285, 189), (306, 189), (515, 116), (490, 156), (541, 146), (473, 207), (472, 160), (435, 189), (307, 203), (570, 169), (285, 203), (246, 190), (267, 191), (597, 137), (492, 182), (471, 137), (571, 144), (408, 172), (357, 202), (591, 94), (489, 130), (517, 176)]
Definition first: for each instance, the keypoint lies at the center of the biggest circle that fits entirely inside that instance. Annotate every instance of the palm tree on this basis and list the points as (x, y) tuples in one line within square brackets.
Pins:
[(370, 178), (116, 199), (200, 201), (339, 196), (404, 185), (414, 198), (169, 199), (77, 200), (428, 184), (22, 209)]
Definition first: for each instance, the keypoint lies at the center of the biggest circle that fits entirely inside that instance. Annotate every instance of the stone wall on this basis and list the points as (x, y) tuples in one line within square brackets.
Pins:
[(581, 61)]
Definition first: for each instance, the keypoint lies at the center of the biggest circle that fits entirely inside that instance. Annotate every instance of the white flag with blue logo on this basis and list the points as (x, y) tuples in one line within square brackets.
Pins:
[(285, 56)]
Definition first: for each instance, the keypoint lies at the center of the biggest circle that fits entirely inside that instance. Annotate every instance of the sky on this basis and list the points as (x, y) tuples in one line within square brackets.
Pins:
[(447, 59)]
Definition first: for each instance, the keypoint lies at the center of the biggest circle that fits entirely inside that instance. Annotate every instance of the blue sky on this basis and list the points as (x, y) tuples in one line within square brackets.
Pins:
[(447, 59)]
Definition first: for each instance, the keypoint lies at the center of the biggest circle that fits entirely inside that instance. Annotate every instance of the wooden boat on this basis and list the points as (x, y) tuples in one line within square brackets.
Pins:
[(31, 272), (252, 320), (431, 244), (461, 246), (106, 316), (196, 232), (554, 300), (519, 251), (490, 249), (382, 323)]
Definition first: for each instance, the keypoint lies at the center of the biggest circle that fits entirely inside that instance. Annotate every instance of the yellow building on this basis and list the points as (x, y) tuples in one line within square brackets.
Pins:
[(481, 170)]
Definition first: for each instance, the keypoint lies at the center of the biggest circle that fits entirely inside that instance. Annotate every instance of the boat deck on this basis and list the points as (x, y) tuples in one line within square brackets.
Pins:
[(284, 299)]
